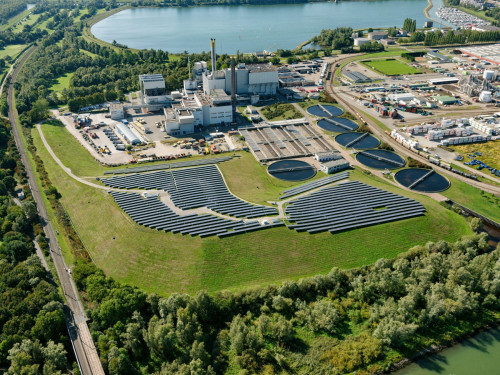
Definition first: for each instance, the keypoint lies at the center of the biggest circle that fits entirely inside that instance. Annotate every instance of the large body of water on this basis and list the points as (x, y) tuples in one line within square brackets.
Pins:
[(478, 355), (250, 28)]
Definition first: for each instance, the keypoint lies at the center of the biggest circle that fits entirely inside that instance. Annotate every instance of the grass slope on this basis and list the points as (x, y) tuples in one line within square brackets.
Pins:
[(11, 50), (390, 67), (164, 263)]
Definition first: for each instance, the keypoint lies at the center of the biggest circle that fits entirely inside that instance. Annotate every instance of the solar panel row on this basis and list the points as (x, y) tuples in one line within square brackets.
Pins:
[(192, 188), (179, 164), (347, 206), (314, 184), (153, 213)]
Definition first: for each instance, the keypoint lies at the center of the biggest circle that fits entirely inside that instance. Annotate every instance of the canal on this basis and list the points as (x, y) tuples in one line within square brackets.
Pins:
[(479, 355), (250, 28)]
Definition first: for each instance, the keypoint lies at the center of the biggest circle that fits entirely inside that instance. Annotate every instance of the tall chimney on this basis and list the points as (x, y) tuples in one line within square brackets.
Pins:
[(233, 82), (212, 44)]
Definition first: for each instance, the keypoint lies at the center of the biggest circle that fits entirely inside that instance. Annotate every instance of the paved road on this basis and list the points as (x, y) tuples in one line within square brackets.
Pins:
[(331, 89), (84, 347)]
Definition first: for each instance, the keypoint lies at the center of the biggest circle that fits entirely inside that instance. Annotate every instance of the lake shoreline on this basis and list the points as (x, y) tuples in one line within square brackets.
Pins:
[(435, 349)]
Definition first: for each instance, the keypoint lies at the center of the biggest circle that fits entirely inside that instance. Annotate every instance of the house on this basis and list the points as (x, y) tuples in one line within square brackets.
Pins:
[(333, 166)]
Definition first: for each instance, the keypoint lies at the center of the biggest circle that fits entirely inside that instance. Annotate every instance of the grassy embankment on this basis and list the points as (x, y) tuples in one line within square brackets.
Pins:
[(62, 82), (164, 262), (490, 153)]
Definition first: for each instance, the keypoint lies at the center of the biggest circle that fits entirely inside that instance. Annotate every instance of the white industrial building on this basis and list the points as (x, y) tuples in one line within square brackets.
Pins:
[(128, 134), (153, 89), (197, 110), (405, 97), (327, 156), (116, 111), (333, 166), (361, 41), (257, 79)]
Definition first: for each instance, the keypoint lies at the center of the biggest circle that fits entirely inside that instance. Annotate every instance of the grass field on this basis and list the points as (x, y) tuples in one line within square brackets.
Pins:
[(12, 50), (62, 82), (163, 262), (490, 153), (280, 111), (483, 203), (390, 67)]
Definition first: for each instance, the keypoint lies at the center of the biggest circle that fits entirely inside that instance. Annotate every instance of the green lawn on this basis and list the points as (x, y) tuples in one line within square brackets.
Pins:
[(62, 82), (390, 67), (483, 203), (164, 262), (33, 18), (280, 111), (12, 50), (15, 19)]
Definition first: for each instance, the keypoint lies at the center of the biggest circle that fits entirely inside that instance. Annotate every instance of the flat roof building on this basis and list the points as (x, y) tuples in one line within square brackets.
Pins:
[(116, 111), (153, 89), (333, 166), (377, 35), (327, 156), (361, 41)]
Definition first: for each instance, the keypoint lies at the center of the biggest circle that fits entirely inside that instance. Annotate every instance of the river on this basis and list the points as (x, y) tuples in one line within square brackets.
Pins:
[(250, 28), (479, 355)]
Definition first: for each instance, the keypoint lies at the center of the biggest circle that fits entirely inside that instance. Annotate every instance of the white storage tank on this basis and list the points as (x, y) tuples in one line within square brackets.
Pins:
[(489, 75), (485, 97)]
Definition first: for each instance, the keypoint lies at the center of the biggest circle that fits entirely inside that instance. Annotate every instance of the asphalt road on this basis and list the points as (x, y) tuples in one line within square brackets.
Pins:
[(85, 351), (330, 88)]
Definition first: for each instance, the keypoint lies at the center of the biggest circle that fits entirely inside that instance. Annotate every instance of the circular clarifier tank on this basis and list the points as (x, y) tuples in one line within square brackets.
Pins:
[(357, 140), (291, 170), (380, 159), (423, 180), (325, 110), (337, 125)]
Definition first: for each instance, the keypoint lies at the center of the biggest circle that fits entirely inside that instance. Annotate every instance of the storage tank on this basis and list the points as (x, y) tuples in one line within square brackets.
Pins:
[(489, 74), (485, 97)]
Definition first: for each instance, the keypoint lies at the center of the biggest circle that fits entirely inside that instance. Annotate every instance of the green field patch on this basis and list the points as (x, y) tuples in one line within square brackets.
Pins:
[(490, 153), (390, 67), (62, 82), (164, 263), (280, 111), (12, 50)]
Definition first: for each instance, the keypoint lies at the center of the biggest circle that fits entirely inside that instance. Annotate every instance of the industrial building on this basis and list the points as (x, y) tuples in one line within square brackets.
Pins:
[(402, 97), (333, 166), (442, 81), (377, 35), (357, 77), (360, 41), (490, 53), (191, 112), (255, 79), (445, 100), (116, 111), (153, 89), (128, 134), (327, 156), (438, 56)]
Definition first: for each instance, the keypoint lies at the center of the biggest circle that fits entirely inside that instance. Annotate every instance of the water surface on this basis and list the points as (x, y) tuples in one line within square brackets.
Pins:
[(250, 28)]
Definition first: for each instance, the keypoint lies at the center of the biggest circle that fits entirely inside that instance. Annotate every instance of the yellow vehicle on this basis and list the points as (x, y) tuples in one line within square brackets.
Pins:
[(206, 151)]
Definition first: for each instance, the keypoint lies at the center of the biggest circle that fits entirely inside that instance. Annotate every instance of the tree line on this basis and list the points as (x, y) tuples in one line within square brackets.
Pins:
[(33, 336), (347, 320)]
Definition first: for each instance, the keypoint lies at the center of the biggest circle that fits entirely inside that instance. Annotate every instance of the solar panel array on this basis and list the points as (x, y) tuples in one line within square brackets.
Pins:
[(179, 164), (151, 212), (192, 188), (313, 185), (347, 206)]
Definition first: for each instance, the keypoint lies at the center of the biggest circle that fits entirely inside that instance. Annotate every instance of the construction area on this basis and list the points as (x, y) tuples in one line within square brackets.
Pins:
[(286, 139)]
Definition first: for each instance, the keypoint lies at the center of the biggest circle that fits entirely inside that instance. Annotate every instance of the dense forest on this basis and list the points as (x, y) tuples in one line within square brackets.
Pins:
[(10, 8), (363, 319), (33, 336)]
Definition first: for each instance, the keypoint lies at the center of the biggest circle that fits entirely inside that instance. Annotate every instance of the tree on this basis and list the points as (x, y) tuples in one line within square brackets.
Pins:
[(17, 251)]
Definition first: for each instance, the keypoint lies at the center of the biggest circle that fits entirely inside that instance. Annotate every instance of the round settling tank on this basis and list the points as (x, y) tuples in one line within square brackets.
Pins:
[(325, 110), (380, 159), (357, 140), (337, 125), (423, 180), (291, 170)]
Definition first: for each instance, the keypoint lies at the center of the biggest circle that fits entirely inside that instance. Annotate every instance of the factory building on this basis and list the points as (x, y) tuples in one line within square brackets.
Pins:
[(255, 79), (327, 156), (116, 111), (377, 35), (360, 41), (333, 166), (194, 111), (127, 133), (405, 97), (153, 89)]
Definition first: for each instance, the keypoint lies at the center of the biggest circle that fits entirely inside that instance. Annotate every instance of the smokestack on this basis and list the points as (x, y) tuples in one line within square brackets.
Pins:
[(212, 44), (233, 82)]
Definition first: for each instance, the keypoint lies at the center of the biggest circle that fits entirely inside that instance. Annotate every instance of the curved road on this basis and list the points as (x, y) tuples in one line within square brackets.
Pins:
[(330, 88), (76, 321)]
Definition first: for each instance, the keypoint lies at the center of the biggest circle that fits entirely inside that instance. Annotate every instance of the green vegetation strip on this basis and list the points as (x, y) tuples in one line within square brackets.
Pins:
[(390, 67)]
